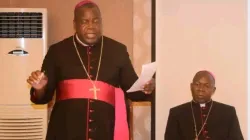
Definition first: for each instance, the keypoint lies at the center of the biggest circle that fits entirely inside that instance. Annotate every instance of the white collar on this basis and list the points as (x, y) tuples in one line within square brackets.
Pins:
[(203, 104)]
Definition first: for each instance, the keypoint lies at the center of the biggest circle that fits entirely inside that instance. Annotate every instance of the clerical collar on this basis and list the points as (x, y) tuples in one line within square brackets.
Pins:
[(77, 38), (202, 104)]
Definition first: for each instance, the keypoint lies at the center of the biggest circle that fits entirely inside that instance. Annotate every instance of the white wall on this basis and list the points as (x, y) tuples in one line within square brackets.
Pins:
[(141, 111), (193, 35)]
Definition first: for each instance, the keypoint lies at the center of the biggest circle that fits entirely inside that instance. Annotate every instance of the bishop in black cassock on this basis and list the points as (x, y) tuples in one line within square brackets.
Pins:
[(203, 118), (85, 69)]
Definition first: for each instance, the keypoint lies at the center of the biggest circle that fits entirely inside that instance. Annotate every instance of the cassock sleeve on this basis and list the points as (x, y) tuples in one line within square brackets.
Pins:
[(49, 67), (234, 130), (172, 127), (127, 78)]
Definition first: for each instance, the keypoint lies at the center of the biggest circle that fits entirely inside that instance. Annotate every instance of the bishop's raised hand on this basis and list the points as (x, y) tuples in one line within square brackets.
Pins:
[(38, 80)]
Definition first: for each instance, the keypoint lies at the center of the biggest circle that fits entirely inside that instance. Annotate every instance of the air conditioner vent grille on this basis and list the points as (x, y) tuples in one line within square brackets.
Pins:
[(19, 128), (21, 25), (22, 123)]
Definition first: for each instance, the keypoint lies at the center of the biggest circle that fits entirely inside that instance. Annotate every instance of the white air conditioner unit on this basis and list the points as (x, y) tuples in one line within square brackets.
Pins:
[(23, 45)]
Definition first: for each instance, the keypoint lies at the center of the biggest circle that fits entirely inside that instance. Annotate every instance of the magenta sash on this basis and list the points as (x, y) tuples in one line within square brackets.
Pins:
[(121, 123), (80, 88)]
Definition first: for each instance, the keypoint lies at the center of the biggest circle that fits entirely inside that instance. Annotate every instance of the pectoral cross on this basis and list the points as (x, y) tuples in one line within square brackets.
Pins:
[(94, 89)]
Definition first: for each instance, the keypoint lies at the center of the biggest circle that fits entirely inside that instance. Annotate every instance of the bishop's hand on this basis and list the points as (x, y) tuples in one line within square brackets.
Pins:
[(149, 87), (38, 80)]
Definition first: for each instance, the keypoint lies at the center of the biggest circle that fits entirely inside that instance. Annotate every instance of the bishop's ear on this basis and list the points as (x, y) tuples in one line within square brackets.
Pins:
[(74, 24), (214, 90), (191, 85)]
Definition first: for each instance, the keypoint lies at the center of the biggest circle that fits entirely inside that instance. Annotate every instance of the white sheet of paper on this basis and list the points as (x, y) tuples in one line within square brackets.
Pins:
[(148, 70)]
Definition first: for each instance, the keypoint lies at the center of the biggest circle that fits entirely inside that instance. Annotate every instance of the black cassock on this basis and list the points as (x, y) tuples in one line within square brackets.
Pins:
[(222, 122), (77, 115)]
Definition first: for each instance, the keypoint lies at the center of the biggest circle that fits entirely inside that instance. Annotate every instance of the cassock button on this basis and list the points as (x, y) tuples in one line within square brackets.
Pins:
[(91, 101), (91, 67), (205, 132), (90, 52), (91, 110), (204, 115), (91, 76), (90, 139), (91, 120)]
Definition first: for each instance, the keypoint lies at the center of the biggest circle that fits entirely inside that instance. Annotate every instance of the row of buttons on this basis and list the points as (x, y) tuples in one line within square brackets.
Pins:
[(204, 131), (90, 119)]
